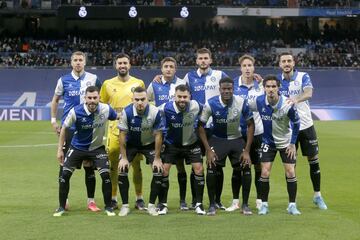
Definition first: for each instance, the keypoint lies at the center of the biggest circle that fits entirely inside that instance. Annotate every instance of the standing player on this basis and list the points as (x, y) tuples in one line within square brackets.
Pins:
[(72, 88), (118, 92), (247, 87), (226, 111), (281, 127), (181, 142), (160, 93), (89, 120), (141, 130), (298, 87), (204, 84)]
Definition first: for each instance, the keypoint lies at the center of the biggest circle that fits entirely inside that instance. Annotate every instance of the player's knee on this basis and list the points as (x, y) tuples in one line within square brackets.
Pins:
[(198, 168), (290, 172), (105, 175), (66, 175), (265, 172), (313, 158)]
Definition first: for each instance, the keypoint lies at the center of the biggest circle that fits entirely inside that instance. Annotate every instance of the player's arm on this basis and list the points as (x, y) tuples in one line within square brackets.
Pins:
[(123, 127), (54, 106), (150, 93), (69, 121), (306, 95), (157, 164), (59, 91), (295, 126), (245, 156)]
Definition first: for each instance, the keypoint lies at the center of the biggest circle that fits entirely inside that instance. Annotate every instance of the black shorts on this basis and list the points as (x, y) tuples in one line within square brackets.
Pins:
[(75, 157), (148, 151), (227, 148), (268, 154), (174, 154), (308, 142), (255, 149)]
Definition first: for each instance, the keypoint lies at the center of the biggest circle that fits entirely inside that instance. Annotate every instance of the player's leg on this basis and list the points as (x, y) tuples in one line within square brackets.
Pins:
[(101, 162), (255, 160), (291, 182), (138, 180), (267, 157), (235, 187), (113, 150), (310, 149), (90, 182), (163, 193), (182, 180)]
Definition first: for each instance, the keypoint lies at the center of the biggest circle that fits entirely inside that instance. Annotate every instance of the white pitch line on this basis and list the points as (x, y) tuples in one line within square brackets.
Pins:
[(32, 145)]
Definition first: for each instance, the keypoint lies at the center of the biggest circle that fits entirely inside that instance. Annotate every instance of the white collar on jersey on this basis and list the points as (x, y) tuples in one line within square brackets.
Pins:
[(226, 105), (241, 83), (76, 77), (145, 113), (277, 105), (171, 81)]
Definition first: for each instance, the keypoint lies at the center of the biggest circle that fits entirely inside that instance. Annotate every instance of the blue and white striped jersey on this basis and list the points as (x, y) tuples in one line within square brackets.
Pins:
[(226, 119), (140, 128), (298, 82), (72, 88), (204, 87), (250, 93), (281, 122), (163, 92), (181, 126), (89, 127)]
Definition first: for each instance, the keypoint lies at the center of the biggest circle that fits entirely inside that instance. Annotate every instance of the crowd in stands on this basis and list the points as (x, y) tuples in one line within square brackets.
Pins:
[(335, 47)]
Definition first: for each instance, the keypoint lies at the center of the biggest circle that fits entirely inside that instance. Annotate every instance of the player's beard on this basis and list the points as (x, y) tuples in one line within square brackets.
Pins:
[(182, 105), (123, 74), (92, 106)]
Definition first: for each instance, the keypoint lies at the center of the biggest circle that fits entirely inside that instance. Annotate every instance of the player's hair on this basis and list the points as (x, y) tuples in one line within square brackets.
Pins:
[(246, 56), (92, 89), (271, 77), (168, 59), (78, 53), (203, 51), (121, 55), (285, 54), (139, 90), (182, 88), (226, 80)]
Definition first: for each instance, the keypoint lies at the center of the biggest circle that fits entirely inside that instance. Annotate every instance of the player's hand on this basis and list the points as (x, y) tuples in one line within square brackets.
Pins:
[(123, 165), (157, 78), (56, 128), (258, 78), (211, 157), (60, 156), (245, 158), (291, 101), (291, 151), (157, 165)]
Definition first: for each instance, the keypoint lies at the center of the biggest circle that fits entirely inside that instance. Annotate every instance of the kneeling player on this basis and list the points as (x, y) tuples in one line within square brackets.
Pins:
[(181, 117), (281, 127), (89, 120), (141, 127)]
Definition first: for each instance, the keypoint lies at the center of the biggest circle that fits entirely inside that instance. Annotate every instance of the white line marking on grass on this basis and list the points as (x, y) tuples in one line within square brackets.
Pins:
[(32, 145)]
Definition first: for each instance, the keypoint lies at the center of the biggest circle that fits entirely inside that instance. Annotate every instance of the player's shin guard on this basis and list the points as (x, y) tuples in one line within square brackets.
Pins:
[(246, 183), (90, 181), (106, 186), (123, 181), (315, 174), (265, 188), (192, 185), (236, 182), (219, 183), (64, 187), (291, 188), (182, 180), (211, 184), (163, 194), (257, 182), (199, 187), (155, 187)]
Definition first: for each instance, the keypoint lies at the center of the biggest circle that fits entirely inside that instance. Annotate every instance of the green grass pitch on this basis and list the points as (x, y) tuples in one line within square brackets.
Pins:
[(29, 195)]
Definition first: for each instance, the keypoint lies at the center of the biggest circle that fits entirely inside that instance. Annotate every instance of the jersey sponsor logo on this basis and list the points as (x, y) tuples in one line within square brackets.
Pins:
[(74, 93), (271, 118), (204, 88), (163, 97), (290, 92), (94, 125), (180, 125), (141, 129), (223, 120)]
